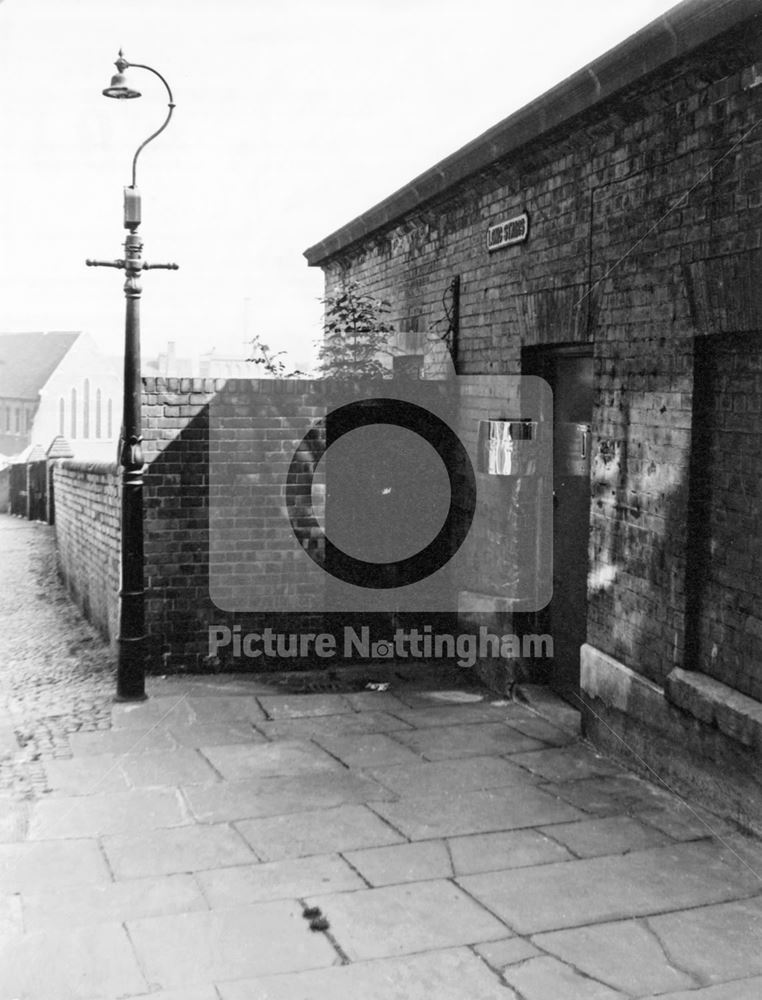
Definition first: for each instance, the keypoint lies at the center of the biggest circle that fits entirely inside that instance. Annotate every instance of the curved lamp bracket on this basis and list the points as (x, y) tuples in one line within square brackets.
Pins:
[(122, 64)]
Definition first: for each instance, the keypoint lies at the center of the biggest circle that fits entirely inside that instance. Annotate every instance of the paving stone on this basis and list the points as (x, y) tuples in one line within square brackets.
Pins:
[(296, 706), (210, 685), (547, 979), (403, 862), (626, 955), (492, 851), (331, 830), (715, 943), (228, 944), (331, 725), (291, 879), (185, 849), (476, 740), (86, 775), (154, 713), (455, 974), (567, 763), (14, 818), (684, 822), (424, 695), (170, 767), (269, 759), (224, 708), (541, 729), (449, 776), (215, 734), (426, 817), (742, 989), (8, 741), (455, 715), (607, 835), (232, 800), (575, 893), (186, 993), (404, 919), (111, 902), (609, 796), (367, 750), (11, 917), (119, 741), (78, 963), (27, 867), (551, 706), (746, 848), (94, 815), (373, 702), (509, 951)]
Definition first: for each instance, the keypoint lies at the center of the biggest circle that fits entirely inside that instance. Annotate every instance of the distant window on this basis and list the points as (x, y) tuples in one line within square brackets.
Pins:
[(73, 414), (86, 410), (97, 413), (109, 417), (61, 416), (18, 420)]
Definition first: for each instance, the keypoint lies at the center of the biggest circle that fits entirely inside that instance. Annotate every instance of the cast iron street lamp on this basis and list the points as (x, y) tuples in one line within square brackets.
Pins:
[(130, 685)]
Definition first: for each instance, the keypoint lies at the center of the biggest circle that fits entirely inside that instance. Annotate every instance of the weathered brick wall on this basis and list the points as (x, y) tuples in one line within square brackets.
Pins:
[(180, 529), (88, 539), (219, 547), (608, 263)]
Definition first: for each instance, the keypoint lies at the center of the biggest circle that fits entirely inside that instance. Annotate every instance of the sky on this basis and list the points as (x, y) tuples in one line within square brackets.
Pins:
[(293, 117)]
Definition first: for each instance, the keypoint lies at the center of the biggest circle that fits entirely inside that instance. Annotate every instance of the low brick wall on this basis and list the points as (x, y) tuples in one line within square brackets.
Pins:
[(218, 455), (5, 480), (87, 536)]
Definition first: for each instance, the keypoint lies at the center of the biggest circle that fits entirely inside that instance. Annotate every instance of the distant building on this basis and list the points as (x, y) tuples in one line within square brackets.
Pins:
[(168, 364), (54, 384)]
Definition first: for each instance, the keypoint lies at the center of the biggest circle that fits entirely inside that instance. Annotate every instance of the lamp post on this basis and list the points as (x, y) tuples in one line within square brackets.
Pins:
[(130, 685)]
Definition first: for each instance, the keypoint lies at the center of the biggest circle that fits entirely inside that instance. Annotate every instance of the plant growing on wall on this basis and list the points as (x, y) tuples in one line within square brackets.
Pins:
[(355, 332), (271, 362)]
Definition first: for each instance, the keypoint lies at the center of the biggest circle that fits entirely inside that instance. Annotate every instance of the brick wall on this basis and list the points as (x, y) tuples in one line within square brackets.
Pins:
[(87, 538), (606, 263), (246, 424), (219, 543)]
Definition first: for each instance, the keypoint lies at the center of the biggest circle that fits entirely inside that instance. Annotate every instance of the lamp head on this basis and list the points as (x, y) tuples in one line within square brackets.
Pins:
[(119, 88)]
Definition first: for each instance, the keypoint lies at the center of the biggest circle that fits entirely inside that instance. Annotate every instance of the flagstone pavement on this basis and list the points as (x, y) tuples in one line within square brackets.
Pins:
[(231, 840)]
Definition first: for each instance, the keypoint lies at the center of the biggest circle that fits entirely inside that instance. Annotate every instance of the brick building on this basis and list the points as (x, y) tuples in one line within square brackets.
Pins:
[(607, 237)]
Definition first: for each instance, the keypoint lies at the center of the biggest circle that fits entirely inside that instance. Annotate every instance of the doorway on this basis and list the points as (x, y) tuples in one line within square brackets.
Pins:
[(568, 368)]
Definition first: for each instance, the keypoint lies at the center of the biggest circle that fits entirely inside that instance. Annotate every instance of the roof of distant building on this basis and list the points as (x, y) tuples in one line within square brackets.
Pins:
[(59, 447), (27, 360)]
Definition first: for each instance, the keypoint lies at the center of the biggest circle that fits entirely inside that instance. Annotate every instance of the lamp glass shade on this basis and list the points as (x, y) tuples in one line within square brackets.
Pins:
[(120, 89)]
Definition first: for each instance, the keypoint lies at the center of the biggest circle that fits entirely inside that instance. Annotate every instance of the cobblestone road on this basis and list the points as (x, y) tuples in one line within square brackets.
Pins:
[(57, 673)]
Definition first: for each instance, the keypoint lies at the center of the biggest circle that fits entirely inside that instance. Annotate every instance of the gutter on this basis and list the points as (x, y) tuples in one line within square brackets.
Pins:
[(675, 34)]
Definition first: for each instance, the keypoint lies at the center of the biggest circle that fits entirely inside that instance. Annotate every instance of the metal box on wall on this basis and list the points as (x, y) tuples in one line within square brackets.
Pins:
[(571, 449)]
